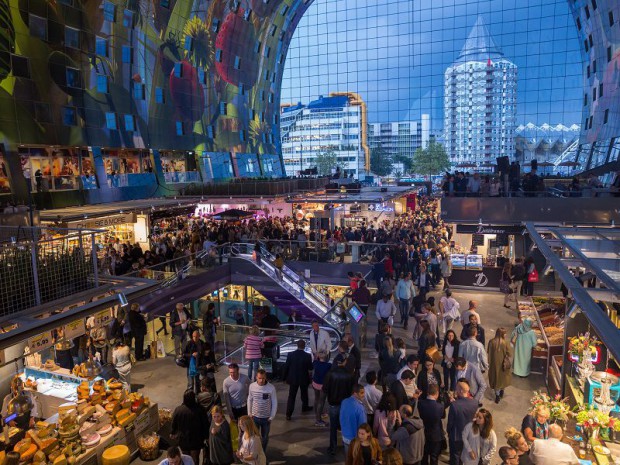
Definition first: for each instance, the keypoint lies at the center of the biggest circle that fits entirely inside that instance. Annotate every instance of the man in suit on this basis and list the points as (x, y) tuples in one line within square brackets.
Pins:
[(296, 373), (405, 390), (432, 412), (473, 323), (319, 341), (461, 412), (469, 371)]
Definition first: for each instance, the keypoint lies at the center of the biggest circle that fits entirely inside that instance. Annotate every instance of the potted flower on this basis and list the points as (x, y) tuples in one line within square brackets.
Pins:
[(592, 422), (582, 344), (559, 409)]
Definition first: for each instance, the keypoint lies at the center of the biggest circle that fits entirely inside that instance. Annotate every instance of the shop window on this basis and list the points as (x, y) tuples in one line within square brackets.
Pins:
[(218, 55), (189, 43), (179, 128), (127, 54), (101, 46), (72, 37), (20, 66), (606, 117), (102, 84), (73, 77), (109, 11), (159, 95), (237, 64), (69, 116), (130, 123), (128, 18), (110, 120), (37, 26), (138, 91), (178, 70)]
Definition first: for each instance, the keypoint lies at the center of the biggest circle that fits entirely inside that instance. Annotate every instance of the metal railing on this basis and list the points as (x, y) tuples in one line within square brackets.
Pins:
[(229, 340)]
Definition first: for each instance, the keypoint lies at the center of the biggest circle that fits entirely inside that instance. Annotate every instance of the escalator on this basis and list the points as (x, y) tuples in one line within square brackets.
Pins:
[(285, 289)]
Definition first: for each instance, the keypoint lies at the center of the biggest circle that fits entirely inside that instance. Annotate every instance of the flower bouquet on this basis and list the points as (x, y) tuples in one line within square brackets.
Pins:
[(583, 343), (592, 420), (559, 410)]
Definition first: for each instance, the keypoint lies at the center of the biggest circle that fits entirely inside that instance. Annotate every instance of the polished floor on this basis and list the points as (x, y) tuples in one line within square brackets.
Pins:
[(299, 441)]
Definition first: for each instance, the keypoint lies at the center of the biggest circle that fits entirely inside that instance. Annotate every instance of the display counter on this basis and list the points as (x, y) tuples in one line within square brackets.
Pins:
[(53, 388), (487, 277)]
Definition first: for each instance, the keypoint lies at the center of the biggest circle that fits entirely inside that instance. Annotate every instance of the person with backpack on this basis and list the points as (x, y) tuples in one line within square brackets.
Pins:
[(409, 439)]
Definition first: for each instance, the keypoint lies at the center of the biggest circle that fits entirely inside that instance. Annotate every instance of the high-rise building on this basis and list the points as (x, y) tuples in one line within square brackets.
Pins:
[(399, 139), (326, 125), (480, 102)]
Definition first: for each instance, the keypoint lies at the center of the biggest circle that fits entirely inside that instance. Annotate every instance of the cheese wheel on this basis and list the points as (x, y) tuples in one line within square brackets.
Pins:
[(28, 454), (115, 455), (60, 460)]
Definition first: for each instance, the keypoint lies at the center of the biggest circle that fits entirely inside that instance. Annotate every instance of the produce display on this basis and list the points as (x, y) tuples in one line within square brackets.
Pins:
[(81, 425), (527, 310), (551, 315)]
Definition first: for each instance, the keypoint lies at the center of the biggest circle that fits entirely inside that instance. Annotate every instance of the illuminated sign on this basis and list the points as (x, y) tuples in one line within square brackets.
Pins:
[(98, 223), (379, 207)]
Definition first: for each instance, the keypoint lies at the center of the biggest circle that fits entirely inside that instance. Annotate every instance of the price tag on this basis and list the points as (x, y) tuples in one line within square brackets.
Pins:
[(102, 318), (74, 329), (41, 342)]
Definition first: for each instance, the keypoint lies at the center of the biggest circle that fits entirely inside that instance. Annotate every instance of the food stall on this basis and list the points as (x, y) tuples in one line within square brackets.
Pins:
[(469, 271)]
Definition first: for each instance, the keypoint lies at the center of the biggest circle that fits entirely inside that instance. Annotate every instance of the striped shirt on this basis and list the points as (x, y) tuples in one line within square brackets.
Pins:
[(262, 401), (252, 345)]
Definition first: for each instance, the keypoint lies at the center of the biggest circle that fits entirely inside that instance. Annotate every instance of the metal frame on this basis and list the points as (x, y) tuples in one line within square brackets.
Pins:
[(603, 326)]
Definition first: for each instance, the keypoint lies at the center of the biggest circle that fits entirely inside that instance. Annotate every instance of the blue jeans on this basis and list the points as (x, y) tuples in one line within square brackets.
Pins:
[(252, 367), (263, 425), (404, 311), (193, 383), (334, 424)]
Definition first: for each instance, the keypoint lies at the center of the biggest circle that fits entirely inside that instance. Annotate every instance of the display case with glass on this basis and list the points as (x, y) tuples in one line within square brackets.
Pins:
[(458, 260), (473, 262)]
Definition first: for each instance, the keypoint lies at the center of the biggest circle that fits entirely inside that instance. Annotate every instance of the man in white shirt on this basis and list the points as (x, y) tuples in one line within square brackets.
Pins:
[(319, 341), (413, 362), (385, 309), (473, 305), (372, 395), (262, 405), (448, 310), (552, 451), (473, 352)]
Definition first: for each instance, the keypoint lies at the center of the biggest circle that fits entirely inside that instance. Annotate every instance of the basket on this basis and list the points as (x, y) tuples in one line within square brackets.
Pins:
[(148, 445)]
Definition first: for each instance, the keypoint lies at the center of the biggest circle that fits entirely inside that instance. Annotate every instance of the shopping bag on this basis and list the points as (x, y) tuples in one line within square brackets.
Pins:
[(161, 351), (234, 434), (533, 276), (434, 354)]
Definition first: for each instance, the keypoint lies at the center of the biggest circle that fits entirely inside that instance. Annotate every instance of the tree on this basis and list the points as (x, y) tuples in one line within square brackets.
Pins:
[(431, 160), (380, 162), (325, 161), (406, 161)]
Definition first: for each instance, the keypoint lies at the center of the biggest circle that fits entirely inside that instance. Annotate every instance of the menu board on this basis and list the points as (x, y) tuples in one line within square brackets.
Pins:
[(458, 260), (474, 262)]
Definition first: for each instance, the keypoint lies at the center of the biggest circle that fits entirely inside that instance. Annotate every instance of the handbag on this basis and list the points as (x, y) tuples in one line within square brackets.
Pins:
[(506, 362), (434, 354), (504, 286), (181, 361), (533, 276)]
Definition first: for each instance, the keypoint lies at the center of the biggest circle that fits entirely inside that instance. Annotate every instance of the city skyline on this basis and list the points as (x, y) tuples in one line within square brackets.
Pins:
[(395, 53)]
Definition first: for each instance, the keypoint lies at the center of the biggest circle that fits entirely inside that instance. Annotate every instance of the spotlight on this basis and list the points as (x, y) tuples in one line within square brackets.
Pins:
[(122, 299)]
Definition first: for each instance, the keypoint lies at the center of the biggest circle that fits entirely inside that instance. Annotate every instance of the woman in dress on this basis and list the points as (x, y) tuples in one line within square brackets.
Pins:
[(364, 449), (220, 442), (498, 351), (479, 439), (450, 351), (250, 449), (387, 419), (516, 440), (525, 340), (121, 359)]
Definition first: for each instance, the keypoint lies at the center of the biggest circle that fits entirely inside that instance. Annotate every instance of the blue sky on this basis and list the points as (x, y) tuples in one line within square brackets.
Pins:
[(394, 53)]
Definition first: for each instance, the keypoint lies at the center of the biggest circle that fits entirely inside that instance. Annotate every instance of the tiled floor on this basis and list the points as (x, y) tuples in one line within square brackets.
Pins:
[(298, 441)]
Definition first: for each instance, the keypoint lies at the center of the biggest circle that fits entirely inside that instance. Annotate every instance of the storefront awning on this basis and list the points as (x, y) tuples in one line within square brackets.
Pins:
[(597, 250)]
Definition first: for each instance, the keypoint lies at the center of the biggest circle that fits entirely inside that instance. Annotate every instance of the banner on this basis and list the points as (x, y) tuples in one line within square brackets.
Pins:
[(74, 329), (41, 342), (102, 318)]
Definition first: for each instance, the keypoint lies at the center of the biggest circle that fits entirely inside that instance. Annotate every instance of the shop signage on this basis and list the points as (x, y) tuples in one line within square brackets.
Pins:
[(377, 207), (99, 223), (41, 342), (102, 318), (74, 329), (488, 229), (481, 280)]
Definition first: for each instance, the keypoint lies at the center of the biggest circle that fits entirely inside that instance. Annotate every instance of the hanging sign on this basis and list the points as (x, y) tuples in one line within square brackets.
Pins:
[(74, 329), (102, 317), (41, 342)]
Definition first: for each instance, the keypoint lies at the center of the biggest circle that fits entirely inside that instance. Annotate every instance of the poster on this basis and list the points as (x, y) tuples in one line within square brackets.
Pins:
[(74, 329)]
